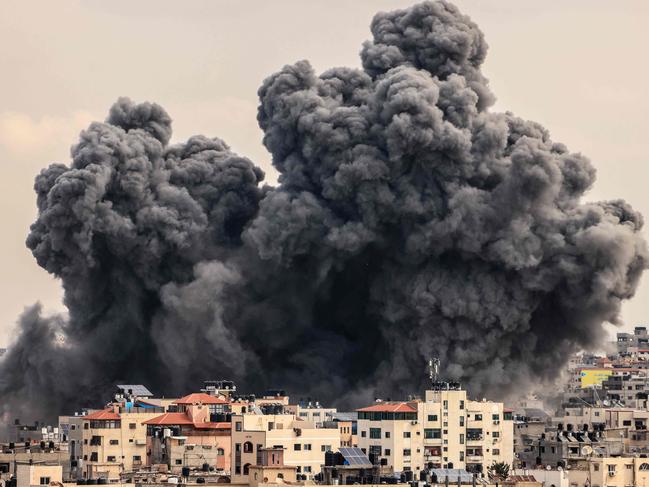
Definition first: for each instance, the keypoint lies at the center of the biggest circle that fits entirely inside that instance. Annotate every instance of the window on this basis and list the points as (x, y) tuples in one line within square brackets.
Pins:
[(237, 469), (375, 450), (478, 417), (432, 433), (461, 456), (461, 420), (375, 433), (326, 448), (626, 422), (461, 404), (387, 434), (246, 469), (238, 426), (445, 424), (363, 434), (73, 427), (247, 447), (461, 438), (271, 426), (445, 404), (220, 452), (132, 426), (446, 432), (406, 452), (114, 442), (303, 415), (110, 458), (307, 468), (137, 458), (86, 425), (297, 447), (496, 434), (45, 481), (130, 440), (496, 452), (432, 417), (406, 434), (307, 446), (445, 448), (386, 452), (495, 417), (93, 456), (595, 467)]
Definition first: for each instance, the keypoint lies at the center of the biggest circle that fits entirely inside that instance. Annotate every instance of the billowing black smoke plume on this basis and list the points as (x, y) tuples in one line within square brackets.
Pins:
[(409, 221)]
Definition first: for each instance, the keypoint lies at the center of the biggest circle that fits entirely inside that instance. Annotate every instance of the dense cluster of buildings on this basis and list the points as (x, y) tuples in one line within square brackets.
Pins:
[(216, 436), (594, 433)]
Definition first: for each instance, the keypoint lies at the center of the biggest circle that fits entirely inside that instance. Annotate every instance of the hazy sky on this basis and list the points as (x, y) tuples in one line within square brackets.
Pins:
[(580, 68)]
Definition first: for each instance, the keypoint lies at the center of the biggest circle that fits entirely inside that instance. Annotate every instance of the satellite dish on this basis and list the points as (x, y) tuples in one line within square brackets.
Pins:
[(559, 468), (606, 402), (548, 467), (586, 450)]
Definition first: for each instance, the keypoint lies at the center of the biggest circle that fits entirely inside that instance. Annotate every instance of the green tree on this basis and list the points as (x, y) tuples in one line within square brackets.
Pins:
[(499, 470)]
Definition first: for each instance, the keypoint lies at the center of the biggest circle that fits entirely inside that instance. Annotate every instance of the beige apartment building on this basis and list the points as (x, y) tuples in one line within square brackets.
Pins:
[(304, 445), (114, 441), (445, 430), (313, 412), (30, 474), (611, 472)]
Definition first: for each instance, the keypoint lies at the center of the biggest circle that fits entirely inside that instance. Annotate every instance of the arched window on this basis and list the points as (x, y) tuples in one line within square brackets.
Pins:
[(280, 475), (247, 447), (220, 452), (644, 466), (246, 469)]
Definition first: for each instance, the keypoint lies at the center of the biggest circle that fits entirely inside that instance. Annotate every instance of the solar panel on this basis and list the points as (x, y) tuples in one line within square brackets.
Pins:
[(355, 457), (136, 389)]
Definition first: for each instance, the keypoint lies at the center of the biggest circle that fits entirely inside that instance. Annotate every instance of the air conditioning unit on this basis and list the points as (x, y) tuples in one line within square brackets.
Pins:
[(413, 422), (611, 473)]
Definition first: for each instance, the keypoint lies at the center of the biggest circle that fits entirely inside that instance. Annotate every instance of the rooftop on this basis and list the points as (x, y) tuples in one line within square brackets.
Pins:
[(200, 398), (104, 415), (389, 407)]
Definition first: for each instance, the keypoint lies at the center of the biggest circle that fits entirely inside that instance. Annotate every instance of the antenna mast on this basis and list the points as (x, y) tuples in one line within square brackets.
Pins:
[(433, 369)]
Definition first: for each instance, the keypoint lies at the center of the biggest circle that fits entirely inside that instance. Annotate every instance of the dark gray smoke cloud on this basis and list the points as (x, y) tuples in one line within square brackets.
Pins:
[(409, 221)]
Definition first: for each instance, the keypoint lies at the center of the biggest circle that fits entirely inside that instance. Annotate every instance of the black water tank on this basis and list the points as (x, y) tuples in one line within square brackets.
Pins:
[(329, 459), (408, 475), (91, 482), (200, 480), (422, 476), (185, 471), (102, 481), (206, 467), (81, 482)]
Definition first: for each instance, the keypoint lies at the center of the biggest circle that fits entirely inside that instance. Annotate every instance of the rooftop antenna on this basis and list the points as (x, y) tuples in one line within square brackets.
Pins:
[(433, 369)]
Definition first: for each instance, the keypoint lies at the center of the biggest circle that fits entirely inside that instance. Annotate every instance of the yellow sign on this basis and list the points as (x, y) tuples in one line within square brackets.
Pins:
[(593, 377)]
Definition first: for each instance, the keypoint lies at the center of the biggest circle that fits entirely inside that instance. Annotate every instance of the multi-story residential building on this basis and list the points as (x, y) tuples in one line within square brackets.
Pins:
[(71, 428), (313, 412), (608, 471), (114, 440), (191, 436), (446, 430), (304, 443), (627, 342), (567, 447), (347, 424)]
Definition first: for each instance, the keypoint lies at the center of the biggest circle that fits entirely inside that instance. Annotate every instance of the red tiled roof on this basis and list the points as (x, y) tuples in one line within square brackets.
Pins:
[(213, 426), (200, 398), (170, 419), (399, 407), (106, 415)]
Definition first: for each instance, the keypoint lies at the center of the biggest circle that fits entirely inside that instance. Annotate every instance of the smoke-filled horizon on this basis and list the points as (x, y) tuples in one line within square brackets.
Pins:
[(409, 221)]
